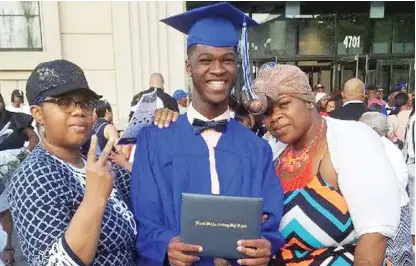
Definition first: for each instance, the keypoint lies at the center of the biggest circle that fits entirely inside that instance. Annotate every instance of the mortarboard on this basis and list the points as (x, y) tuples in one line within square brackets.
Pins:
[(215, 25)]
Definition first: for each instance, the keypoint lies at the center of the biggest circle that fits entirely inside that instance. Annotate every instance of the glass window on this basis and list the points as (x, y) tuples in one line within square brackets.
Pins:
[(382, 33), (404, 34), (353, 34), (276, 37), (316, 36), (20, 25), (400, 73)]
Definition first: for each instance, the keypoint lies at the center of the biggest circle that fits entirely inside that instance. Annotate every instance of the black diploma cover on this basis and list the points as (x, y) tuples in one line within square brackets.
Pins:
[(217, 222)]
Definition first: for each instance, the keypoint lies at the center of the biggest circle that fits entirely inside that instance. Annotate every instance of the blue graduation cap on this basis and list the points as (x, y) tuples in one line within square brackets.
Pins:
[(215, 25)]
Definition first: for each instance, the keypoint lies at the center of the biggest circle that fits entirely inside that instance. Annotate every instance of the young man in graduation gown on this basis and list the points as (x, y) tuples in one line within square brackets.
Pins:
[(204, 152)]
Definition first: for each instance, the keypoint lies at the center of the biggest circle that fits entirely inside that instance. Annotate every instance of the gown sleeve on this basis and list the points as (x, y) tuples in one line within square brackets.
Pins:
[(273, 197), (40, 204), (147, 203)]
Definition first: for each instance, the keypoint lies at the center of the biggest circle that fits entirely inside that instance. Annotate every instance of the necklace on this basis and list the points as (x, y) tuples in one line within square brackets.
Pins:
[(291, 160)]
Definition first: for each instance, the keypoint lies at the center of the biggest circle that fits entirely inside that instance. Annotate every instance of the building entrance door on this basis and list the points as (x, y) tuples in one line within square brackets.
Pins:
[(390, 73)]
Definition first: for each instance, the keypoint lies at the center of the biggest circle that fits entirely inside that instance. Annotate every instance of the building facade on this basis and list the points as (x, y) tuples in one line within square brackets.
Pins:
[(118, 44), (335, 41)]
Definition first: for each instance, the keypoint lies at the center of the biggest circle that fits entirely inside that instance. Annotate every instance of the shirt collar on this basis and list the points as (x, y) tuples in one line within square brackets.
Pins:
[(192, 114), (353, 101)]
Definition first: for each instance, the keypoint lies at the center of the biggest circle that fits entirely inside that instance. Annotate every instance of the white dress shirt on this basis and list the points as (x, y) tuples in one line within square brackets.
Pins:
[(211, 138), (365, 176), (22, 109), (352, 101)]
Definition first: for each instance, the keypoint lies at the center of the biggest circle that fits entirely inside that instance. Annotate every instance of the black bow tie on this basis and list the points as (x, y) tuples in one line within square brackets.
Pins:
[(199, 126)]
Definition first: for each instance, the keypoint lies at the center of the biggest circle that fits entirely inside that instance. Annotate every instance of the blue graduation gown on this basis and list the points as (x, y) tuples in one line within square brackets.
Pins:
[(170, 161)]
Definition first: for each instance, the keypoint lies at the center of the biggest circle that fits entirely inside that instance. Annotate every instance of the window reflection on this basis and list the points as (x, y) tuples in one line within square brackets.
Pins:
[(404, 34), (381, 36), (275, 37), (20, 25), (316, 36)]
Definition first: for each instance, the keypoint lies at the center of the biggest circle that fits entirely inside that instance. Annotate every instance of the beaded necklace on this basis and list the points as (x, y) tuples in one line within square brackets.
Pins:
[(291, 160)]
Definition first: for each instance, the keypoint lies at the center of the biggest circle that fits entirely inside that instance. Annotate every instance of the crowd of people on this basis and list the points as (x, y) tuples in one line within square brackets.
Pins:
[(335, 171)]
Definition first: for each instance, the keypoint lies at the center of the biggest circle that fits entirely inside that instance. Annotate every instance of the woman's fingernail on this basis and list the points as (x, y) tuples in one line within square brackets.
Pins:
[(240, 249), (160, 126), (166, 125), (200, 249), (155, 123), (239, 262), (239, 242)]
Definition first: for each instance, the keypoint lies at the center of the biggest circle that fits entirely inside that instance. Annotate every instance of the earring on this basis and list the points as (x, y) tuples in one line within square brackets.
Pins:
[(42, 132), (311, 106)]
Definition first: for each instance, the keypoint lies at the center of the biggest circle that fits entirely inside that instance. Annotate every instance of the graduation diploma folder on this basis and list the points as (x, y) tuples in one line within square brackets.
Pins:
[(217, 222)]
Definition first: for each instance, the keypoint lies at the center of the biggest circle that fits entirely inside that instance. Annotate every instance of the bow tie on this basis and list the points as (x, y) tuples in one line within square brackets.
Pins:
[(199, 126)]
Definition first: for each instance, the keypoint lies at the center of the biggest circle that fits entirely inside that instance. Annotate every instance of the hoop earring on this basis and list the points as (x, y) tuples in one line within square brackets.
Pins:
[(311, 106)]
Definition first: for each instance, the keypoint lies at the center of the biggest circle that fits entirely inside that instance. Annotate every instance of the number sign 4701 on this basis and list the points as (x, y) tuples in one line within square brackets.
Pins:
[(352, 42)]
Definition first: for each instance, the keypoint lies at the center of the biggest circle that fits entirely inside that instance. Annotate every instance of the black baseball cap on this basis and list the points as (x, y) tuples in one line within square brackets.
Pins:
[(54, 78)]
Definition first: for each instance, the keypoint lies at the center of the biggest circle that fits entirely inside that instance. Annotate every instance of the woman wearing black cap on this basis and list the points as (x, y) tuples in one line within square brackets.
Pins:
[(70, 210)]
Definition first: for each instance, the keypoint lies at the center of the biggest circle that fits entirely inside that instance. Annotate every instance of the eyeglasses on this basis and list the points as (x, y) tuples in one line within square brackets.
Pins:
[(68, 105)]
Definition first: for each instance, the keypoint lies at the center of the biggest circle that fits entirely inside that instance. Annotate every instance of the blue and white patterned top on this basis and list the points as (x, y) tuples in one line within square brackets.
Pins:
[(44, 195)]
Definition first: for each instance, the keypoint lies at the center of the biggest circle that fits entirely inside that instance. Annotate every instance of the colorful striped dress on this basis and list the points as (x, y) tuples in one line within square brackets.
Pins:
[(316, 224)]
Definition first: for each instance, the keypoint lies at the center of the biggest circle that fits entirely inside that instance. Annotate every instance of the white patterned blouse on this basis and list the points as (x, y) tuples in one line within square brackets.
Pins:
[(45, 193)]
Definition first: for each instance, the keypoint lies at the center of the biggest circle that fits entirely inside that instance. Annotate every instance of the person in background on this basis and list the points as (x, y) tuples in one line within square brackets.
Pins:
[(376, 108), (17, 103), (353, 96), (398, 119), (164, 100), (204, 152), (336, 96), (373, 96), (244, 117), (380, 93), (161, 115), (331, 106), (399, 248), (181, 98), (409, 155), (411, 96), (390, 106), (103, 126), (339, 209), (321, 100), (14, 144), (319, 88)]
